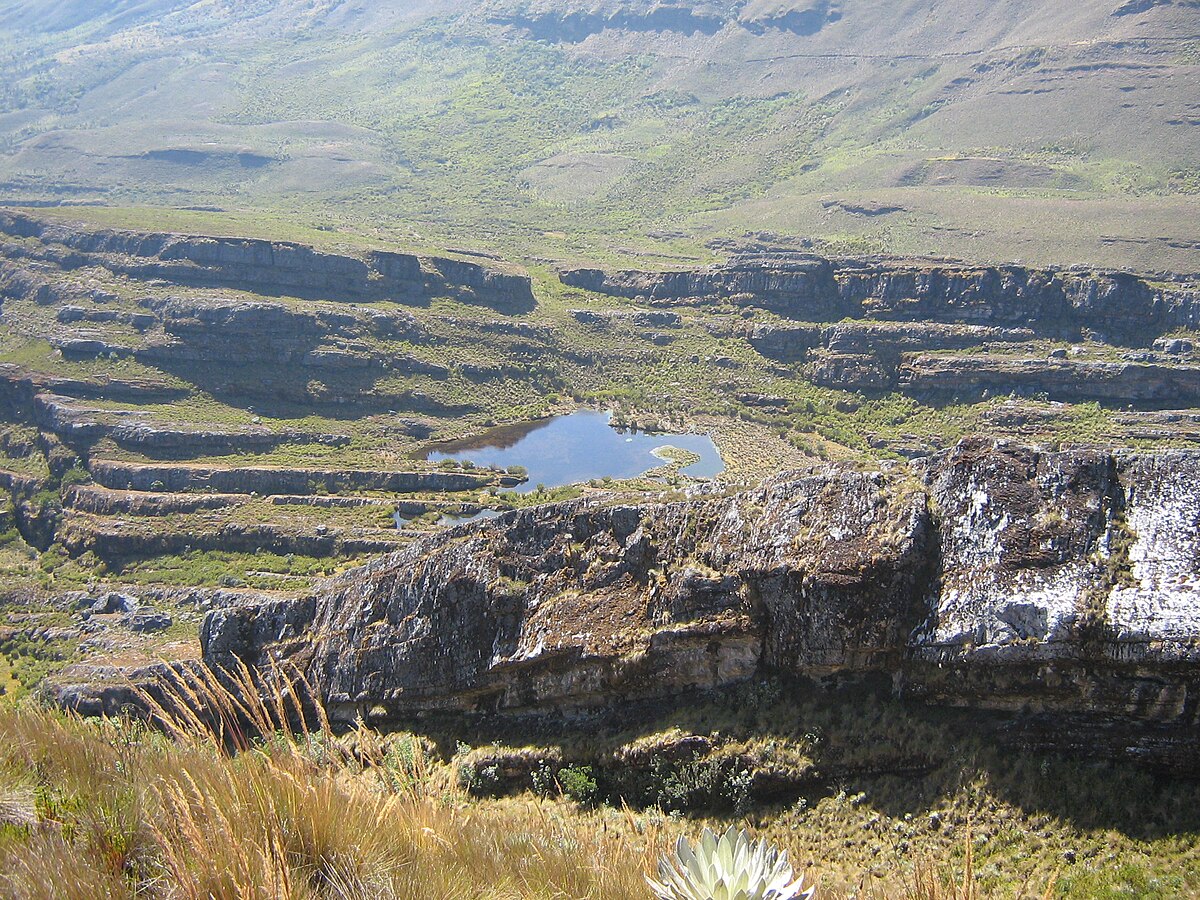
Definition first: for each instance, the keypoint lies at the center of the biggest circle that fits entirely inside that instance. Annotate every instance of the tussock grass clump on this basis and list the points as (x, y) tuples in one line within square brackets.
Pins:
[(225, 801)]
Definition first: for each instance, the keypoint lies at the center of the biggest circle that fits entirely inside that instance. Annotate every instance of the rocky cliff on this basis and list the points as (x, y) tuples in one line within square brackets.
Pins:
[(941, 331), (558, 23), (992, 575), (1066, 304), (272, 267)]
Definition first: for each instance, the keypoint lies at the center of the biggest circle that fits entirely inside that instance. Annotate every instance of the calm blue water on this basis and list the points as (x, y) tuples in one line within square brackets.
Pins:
[(577, 447)]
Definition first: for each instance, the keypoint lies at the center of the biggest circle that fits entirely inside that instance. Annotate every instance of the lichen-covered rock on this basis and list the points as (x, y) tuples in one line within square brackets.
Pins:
[(586, 603), (990, 575), (1021, 538), (1156, 595), (1066, 589)]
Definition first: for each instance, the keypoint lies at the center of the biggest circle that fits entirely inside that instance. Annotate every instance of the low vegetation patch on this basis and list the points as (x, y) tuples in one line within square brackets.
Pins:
[(234, 797)]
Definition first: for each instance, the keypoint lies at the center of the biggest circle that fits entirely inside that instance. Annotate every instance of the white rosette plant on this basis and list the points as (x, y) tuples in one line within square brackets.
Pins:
[(731, 867)]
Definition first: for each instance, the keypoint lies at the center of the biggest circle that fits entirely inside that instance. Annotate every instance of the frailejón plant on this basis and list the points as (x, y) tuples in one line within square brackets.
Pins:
[(732, 867)]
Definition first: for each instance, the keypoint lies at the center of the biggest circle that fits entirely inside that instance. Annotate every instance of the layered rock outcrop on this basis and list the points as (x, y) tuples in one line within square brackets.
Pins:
[(941, 331), (992, 575), (1066, 304), (144, 537), (787, 286), (272, 480), (546, 22), (273, 267), (1148, 384)]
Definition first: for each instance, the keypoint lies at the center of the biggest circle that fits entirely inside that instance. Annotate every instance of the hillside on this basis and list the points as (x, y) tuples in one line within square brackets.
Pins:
[(456, 447), (188, 422), (1021, 130)]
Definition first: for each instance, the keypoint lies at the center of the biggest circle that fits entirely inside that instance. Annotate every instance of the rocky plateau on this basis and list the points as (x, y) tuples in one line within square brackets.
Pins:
[(156, 396)]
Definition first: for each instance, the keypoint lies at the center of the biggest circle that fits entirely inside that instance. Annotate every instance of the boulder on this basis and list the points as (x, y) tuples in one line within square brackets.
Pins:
[(147, 620), (114, 602)]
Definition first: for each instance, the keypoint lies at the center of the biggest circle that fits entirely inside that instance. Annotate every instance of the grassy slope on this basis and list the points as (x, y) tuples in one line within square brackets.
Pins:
[(109, 809), (1068, 126)]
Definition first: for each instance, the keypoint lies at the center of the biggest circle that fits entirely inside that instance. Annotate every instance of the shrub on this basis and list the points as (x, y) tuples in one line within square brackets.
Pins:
[(75, 475), (579, 784), (480, 781)]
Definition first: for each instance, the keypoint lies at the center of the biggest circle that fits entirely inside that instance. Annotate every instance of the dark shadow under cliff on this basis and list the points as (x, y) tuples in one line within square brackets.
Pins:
[(764, 746)]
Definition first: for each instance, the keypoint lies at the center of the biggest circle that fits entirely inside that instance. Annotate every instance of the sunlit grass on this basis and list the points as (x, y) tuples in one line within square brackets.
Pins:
[(243, 791)]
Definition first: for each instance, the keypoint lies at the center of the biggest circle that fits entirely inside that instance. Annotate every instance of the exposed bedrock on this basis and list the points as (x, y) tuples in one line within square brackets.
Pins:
[(274, 267), (20, 388), (910, 357), (79, 423), (1112, 306), (219, 329), (104, 501), (991, 575), (804, 288), (939, 377), (269, 480), (120, 539), (1143, 384), (870, 372), (573, 26), (887, 341)]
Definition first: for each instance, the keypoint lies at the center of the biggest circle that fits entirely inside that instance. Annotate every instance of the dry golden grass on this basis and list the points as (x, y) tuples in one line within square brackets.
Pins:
[(228, 798), (124, 811)]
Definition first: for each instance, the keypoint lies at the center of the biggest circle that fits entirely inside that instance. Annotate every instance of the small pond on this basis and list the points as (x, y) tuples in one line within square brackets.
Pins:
[(575, 448)]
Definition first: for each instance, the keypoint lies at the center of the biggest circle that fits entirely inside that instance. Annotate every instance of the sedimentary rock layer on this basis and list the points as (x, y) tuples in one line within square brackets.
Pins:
[(1112, 306), (271, 267), (991, 575), (270, 480)]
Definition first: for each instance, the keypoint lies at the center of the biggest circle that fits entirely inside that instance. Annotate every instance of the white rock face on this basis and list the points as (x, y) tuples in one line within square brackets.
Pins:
[(1041, 551), (1022, 539), (1159, 598)]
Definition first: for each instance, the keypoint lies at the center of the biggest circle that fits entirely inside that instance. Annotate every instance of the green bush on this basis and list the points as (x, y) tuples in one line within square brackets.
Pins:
[(74, 475), (579, 783), (480, 781)]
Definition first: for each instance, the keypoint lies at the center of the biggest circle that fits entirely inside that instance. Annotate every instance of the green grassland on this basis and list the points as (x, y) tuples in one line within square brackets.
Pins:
[(1049, 141)]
